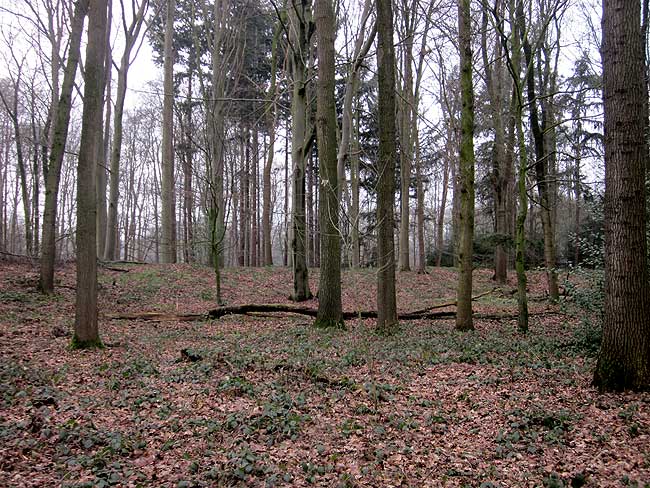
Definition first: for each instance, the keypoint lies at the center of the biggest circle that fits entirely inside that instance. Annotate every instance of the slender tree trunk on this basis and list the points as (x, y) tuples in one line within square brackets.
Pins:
[(466, 170), (541, 163), (386, 297), (300, 20), (624, 359), (57, 151), (354, 186), (168, 245), (267, 220), (422, 258), (131, 36), (86, 332)]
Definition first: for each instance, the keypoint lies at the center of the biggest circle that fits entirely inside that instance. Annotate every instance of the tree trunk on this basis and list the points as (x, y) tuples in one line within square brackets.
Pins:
[(301, 135), (466, 171), (168, 245), (354, 187), (57, 150), (267, 220), (131, 35), (624, 359), (86, 332), (500, 176), (541, 159), (329, 289), (386, 297)]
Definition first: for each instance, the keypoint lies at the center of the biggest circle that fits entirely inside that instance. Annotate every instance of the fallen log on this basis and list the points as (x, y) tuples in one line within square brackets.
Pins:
[(426, 313)]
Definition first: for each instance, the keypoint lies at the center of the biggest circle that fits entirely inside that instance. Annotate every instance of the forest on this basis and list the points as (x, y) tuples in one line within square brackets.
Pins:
[(324, 243)]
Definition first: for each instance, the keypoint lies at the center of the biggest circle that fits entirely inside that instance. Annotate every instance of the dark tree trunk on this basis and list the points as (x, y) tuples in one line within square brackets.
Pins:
[(386, 297), (624, 359), (86, 332), (329, 289)]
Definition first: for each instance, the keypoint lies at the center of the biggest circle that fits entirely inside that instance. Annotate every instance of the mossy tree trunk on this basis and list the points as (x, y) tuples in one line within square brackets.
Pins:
[(466, 170), (168, 242)]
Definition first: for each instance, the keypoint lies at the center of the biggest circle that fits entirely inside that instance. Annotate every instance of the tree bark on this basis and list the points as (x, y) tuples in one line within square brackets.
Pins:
[(329, 290), (624, 359), (131, 35), (301, 135), (57, 150), (541, 159), (86, 332), (466, 171), (168, 245), (386, 297)]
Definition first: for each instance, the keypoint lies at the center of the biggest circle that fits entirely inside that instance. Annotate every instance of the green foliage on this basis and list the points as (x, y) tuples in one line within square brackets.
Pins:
[(236, 385), (278, 420), (528, 430)]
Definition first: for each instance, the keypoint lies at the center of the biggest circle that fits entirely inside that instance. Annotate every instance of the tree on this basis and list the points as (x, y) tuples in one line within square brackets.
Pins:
[(57, 149), (386, 297), (168, 244), (131, 33), (86, 332), (624, 359), (466, 239), (301, 139), (329, 290)]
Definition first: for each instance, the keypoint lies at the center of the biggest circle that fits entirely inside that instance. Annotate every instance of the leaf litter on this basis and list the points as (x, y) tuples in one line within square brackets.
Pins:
[(270, 401)]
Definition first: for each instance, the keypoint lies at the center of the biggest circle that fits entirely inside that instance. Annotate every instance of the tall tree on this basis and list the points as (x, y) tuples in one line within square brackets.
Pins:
[(406, 106), (57, 149), (624, 359), (131, 33), (168, 244), (541, 154), (301, 26), (501, 164), (11, 105), (86, 332), (271, 118), (466, 170), (386, 297), (329, 289)]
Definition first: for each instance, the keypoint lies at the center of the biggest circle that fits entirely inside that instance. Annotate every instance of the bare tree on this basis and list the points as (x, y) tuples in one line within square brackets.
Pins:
[(86, 332), (131, 31), (168, 244), (386, 297), (330, 312)]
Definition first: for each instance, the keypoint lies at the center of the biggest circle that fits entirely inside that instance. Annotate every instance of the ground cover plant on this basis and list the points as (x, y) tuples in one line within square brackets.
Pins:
[(268, 400)]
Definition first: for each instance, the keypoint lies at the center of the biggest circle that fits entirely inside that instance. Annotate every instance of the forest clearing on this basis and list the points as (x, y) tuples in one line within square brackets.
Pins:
[(269, 400)]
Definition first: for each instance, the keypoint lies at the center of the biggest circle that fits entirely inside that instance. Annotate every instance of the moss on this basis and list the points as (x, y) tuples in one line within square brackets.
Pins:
[(322, 323), (388, 330), (77, 344)]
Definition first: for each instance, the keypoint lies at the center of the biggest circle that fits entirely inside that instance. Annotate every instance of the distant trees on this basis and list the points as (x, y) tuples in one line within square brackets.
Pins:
[(228, 162)]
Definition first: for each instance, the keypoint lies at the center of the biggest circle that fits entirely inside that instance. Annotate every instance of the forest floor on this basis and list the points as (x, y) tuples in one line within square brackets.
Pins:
[(267, 400)]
